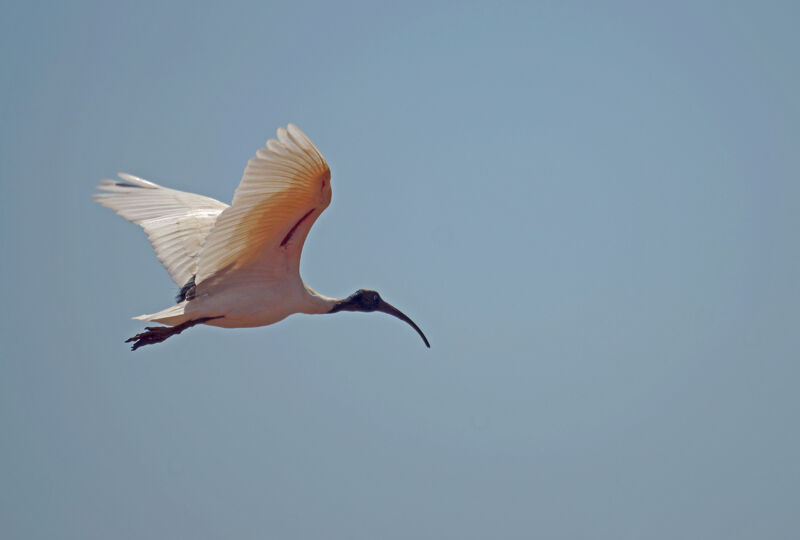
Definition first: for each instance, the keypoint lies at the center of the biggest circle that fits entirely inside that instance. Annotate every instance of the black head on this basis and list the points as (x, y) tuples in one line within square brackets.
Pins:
[(361, 300), (369, 301)]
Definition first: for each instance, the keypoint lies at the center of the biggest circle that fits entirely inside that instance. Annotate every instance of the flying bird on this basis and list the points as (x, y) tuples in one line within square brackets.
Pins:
[(238, 266)]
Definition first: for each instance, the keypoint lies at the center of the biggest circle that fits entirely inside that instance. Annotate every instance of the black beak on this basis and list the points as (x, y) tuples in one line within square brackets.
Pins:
[(388, 308)]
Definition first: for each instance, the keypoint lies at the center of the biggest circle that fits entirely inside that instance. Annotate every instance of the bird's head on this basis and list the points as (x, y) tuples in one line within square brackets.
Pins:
[(368, 301)]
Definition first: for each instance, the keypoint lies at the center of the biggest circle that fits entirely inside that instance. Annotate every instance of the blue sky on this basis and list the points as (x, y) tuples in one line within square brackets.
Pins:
[(591, 210)]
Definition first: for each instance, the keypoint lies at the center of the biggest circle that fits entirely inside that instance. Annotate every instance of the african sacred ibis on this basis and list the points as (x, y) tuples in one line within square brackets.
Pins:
[(239, 265)]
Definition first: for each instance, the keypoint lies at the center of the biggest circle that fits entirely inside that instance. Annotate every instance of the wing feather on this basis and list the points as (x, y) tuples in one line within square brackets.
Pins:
[(176, 222), (284, 188)]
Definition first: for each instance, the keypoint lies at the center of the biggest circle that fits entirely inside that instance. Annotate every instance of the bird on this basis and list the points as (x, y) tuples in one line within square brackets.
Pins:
[(238, 265)]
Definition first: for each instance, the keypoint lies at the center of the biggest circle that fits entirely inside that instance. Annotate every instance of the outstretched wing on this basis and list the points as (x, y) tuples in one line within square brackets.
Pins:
[(176, 222), (283, 191)]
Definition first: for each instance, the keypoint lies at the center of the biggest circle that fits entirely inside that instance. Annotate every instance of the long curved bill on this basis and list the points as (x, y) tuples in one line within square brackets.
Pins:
[(389, 309)]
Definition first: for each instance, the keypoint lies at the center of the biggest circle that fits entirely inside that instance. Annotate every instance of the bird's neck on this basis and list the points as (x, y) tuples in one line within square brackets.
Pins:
[(317, 303)]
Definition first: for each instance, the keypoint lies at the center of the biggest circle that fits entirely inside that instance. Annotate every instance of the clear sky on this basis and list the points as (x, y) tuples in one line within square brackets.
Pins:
[(591, 209)]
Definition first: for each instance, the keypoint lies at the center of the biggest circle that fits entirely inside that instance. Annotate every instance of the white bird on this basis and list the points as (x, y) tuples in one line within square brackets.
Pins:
[(239, 266)]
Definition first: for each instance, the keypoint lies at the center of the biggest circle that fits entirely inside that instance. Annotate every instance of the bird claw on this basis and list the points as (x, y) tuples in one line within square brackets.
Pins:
[(154, 334), (157, 334)]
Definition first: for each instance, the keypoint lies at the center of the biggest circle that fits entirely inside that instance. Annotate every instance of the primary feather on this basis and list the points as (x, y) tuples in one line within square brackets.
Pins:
[(177, 223)]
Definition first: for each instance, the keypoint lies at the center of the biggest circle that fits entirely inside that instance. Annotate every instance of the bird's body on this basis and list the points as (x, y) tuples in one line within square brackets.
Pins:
[(239, 266), (246, 302)]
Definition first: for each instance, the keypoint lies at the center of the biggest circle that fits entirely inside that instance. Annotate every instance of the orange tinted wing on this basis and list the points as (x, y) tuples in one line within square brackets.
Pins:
[(283, 190)]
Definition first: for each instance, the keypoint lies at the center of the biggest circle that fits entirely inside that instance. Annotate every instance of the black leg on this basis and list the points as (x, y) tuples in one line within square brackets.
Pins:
[(157, 334)]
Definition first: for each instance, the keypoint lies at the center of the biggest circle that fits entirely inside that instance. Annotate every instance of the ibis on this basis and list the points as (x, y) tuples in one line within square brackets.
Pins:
[(238, 266)]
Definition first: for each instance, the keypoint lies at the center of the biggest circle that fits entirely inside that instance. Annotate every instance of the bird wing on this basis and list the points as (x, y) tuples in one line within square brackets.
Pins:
[(283, 191), (176, 222)]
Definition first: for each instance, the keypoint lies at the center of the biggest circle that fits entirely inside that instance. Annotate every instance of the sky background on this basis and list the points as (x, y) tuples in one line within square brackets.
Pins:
[(591, 209)]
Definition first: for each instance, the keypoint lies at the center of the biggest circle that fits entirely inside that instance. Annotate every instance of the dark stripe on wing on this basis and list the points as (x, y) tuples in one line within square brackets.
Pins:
[(291, 232), (126, 184)]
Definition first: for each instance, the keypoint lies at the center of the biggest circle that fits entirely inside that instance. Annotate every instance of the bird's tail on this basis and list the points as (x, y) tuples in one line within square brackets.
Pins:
[(172, 316)]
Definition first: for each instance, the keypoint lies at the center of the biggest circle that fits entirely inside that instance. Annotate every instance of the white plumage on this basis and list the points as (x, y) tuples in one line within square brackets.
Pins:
[(176, 222), (238, 265)]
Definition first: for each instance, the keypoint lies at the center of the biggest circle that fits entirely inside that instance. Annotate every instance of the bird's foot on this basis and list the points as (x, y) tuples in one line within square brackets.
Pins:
[(157, 334), (153, 334)]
